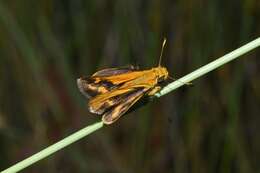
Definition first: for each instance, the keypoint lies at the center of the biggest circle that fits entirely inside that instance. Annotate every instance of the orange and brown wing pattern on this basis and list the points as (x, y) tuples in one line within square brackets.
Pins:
[(111, 92), (103, 81), (123, 104), (90, 87), (102, 102)]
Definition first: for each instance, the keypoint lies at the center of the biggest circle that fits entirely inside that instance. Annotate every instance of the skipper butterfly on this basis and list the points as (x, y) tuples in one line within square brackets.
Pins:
[(113, 91)]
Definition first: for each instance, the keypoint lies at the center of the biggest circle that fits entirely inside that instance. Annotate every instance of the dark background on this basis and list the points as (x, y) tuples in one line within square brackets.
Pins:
[(213, 126)]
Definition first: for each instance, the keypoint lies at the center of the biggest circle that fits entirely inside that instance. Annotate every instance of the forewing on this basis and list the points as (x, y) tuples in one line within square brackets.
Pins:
[(126, 102), (91, 87), (101, 103), (105, 80), (114, 71)]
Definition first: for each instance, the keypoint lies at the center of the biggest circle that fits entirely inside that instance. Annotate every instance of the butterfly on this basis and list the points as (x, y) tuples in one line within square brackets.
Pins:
[(113, 91)]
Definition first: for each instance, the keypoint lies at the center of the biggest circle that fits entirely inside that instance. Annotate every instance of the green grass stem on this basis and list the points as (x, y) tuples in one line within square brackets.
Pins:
[(172, 86)]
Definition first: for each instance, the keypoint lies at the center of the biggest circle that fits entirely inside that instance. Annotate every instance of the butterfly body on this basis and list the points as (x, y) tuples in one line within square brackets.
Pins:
[(113, 91)]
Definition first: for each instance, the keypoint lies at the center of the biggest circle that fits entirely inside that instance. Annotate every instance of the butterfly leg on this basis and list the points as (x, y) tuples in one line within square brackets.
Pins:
[(154, 90)]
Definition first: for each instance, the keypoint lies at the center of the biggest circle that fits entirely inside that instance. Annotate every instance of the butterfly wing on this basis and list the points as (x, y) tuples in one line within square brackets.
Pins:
[(110, 92), (105, 80), (114, 71), (91, 87), (103, 102), (125, 103)]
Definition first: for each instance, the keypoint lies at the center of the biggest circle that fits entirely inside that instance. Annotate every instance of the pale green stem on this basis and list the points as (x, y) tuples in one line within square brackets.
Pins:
[(53, 148), (209, 67), (90, 129)]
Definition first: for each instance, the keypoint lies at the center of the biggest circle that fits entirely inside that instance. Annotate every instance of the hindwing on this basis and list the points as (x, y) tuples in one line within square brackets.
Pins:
[(123, 105)]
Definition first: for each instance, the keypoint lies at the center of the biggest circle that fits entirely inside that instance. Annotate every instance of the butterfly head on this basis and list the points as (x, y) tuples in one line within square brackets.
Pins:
[(161, 73)]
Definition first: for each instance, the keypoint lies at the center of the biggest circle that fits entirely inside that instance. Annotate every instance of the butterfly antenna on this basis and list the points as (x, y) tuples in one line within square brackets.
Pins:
[(163, 45)]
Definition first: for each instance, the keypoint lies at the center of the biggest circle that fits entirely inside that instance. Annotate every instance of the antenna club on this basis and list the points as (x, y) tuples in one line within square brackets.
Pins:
[(164, 41)]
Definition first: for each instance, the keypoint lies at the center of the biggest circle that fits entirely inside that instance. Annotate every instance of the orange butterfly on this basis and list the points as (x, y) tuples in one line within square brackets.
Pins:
[(113, 91)]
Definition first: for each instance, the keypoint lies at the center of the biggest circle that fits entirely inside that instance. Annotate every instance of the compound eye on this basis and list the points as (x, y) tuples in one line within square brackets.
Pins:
[(161, 79)]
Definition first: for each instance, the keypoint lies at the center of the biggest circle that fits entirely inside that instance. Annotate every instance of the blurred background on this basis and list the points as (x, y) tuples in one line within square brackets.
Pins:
[(212, 126)]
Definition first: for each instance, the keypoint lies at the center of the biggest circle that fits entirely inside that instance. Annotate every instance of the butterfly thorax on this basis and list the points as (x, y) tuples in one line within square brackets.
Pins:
[(148, 78)]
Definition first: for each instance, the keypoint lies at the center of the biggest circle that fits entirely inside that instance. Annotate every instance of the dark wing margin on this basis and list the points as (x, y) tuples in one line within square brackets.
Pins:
[(126, 101), (114, 71), (90, 87)]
